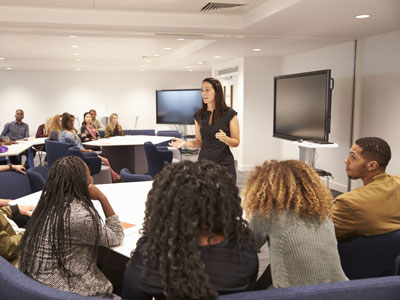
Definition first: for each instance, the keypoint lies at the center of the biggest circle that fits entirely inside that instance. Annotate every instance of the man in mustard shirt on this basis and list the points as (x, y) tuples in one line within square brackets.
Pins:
[(373, 208)]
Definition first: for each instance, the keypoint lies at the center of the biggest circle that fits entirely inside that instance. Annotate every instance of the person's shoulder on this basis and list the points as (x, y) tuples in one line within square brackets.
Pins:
[(230, 113)]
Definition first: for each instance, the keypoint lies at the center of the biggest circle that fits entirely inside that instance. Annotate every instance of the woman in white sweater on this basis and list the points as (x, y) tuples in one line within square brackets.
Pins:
[(290, 207)]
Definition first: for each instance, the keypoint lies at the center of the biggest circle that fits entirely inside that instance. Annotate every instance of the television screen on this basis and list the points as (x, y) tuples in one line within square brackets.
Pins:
[(302, 106), (177, 106)]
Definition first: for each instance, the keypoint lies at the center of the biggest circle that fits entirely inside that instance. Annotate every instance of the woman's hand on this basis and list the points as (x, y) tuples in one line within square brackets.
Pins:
[(26, 210), (95, 193), (177, 143), (19, 168), (221, 136)]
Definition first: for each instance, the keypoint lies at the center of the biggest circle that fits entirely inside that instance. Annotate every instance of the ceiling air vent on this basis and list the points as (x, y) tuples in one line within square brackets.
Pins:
[(215, 5)]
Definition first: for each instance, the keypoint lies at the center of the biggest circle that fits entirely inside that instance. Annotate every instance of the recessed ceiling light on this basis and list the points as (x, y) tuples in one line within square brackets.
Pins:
[(148, 60), (180, 39), (75, 46), (72, 36), (156, 55), (78, 69), (362, 16), (76, 54), (143, 70), (190, 70), (188, 67), (1, 58), (167, 48), (78, 59), (217, 56), (9, 69), (257, 49)]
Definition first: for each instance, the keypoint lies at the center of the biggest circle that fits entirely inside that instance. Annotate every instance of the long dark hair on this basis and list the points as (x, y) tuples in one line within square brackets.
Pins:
[(66, 117), (189, 199), (220, 105), (50, 223)]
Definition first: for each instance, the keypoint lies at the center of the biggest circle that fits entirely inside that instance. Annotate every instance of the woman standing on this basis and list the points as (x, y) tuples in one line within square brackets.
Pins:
[(195, 243), (59, 247), (217, 127), (290, 207), (113, 128)]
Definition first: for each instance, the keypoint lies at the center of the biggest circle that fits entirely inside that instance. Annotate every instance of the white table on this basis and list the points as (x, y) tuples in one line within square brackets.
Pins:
[(128, 201), (127, 151), (21, 146)]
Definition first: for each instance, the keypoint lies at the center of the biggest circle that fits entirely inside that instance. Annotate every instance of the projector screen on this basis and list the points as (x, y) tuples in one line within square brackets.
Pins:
[(302, 106), (177, 106)]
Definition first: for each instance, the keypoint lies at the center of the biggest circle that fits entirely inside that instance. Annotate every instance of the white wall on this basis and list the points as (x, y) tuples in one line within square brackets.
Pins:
[(380, 92), (340, 59), (129, 94)]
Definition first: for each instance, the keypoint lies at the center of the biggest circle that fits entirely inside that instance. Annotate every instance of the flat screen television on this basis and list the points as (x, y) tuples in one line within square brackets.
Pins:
[(177, 106), (302, 106)]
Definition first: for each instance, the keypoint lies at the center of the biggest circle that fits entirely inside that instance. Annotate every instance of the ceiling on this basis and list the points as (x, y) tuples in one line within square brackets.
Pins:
[(143, 35)]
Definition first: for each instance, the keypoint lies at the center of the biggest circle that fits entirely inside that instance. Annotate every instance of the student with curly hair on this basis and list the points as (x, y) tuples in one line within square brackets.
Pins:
[(290, 207), (195, 243), (59, 247)]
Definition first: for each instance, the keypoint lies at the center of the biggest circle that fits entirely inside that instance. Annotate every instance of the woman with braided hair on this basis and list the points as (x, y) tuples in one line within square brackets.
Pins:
[(291, 208), (59, 247), (195, 243)]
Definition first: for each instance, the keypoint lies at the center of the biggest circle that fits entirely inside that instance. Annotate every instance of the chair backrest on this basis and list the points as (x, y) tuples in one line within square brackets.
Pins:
[(387, 288), (174, 133), (14, 185), (55, 150), (156, 158), (126, 176), (370, 256), (91, 159), (139, 132), (37, 177), (16, 285)]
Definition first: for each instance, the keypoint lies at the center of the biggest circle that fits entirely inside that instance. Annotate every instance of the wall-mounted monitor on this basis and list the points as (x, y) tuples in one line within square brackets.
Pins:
[(177, 106), (302, 106)]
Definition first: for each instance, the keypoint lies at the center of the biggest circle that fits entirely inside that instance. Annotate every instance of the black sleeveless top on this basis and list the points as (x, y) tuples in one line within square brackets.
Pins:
[(212, 148)]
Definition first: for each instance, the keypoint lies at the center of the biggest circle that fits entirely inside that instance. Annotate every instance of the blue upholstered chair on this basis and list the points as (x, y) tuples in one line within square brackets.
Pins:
[(102, 133), (15, 285), (156, 158), (387, 288), (90, 158), (139, 132), (127, 176), (14, 185), (101, 173), (55, 150), (174, 133), (370, 256), (37, 177)]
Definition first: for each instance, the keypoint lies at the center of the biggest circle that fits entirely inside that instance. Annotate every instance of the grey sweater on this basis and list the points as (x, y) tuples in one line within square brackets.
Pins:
[(90, 282), (302, 251)]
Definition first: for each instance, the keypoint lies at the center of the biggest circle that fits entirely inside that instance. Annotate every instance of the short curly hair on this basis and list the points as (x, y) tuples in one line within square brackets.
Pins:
[(189, 199), (284, 185), (374, 148)]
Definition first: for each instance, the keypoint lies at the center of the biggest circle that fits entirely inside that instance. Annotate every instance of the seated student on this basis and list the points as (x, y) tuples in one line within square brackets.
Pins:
[(43, 129), (59, 247), (194, 244), (290, 207), (68, 135), (55, 127), (88, 131), (16, 130), (96, 122), (375, 207), (10, 236), (113, 128)]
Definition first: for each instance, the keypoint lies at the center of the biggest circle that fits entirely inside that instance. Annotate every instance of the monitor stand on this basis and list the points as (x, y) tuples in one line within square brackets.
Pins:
[(307, 151)]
